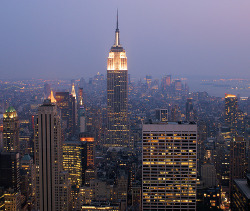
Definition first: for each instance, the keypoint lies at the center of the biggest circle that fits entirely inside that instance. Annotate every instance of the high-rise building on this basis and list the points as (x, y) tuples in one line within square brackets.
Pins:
[(177, 85), (175, 113), (189, 110), (169, 166), (238, 160), (10, 131), (81, 116), (88, 139), (52, 185), (46, 90), (117, 95), (231, 106), (66, 103), (27, 171), (166, 82), (75, 161), (10, 171), (148, 81)]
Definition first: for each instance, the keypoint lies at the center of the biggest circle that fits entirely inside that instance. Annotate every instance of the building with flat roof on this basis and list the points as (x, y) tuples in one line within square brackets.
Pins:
[(169, 166)]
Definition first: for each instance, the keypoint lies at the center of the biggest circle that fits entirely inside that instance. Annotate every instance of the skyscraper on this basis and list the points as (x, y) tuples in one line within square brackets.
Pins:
[(75, 162), (189, 110), (238, 160), (66, 103), (169, 166), (10, 131), (117, 95), (165, 82), (52, 186), (231, 107), (10, 170)]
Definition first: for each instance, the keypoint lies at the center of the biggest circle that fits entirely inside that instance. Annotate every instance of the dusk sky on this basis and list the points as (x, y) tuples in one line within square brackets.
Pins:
[(61, 39)]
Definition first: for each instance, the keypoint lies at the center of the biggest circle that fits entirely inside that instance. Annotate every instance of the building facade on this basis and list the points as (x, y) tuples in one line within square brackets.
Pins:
[(169, 166), (117, 95)]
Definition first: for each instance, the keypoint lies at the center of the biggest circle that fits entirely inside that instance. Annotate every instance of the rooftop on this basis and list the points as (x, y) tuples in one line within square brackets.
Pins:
[(10, 109), (243, 186)]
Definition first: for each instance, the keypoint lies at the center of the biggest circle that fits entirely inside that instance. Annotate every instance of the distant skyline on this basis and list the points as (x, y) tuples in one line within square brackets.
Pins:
[(62, 39)]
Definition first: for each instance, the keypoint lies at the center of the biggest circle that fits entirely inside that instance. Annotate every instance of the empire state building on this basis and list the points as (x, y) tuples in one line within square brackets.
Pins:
[(117, 95)]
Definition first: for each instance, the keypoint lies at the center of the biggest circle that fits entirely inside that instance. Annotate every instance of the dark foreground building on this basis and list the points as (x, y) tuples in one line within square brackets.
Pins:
[(241, 194)]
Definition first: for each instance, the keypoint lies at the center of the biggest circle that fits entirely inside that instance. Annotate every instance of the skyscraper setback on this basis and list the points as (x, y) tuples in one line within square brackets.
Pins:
[(117, 95)]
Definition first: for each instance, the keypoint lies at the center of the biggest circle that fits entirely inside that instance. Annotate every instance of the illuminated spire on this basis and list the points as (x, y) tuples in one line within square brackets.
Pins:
[(51, 97), (117, 28), (117, 33), (73, 91)]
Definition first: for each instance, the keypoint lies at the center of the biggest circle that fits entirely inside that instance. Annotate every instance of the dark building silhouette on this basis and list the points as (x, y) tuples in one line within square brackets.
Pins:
[(10, 170)]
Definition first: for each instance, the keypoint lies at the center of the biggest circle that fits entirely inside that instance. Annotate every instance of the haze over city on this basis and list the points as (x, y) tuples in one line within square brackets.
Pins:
[(70, 39), (124, 105)]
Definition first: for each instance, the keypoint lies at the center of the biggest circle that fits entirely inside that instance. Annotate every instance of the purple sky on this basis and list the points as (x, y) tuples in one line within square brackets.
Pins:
[(71, 39)]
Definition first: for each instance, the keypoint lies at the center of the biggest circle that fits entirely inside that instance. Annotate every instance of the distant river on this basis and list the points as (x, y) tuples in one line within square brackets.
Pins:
[(217, 90)]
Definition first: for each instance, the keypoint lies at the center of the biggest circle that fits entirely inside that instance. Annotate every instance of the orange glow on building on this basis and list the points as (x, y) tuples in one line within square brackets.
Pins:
[(229, 95), (88, 139)]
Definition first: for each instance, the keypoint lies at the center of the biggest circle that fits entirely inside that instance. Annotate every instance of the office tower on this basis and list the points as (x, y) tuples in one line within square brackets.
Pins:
[(161, 115), (189, 110), (148, 81), (66, 103), (75, 161), (117, 95), (80, 96), (82, 127), (90, 145), (238, 160), (73, 93), (10, 171), (169, 166), (165, 82), (27, 171), (10, 131), (46, 90), (52, 186), (175, 113), (177, 85), (231, 106), (208, 175)]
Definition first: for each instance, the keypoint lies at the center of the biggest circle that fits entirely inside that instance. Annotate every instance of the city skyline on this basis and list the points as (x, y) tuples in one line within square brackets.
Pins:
[(108, 140), (185, 39)]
